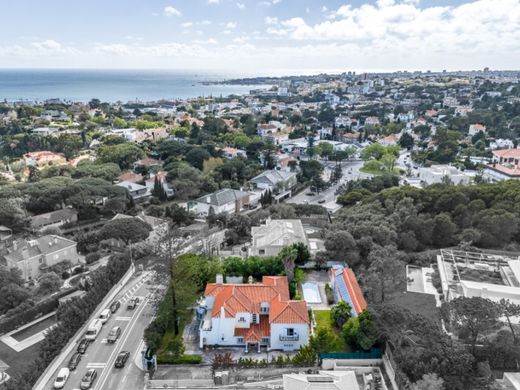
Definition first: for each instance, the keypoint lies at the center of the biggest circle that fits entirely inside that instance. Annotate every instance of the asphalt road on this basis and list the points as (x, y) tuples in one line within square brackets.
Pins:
[(327, 198), (101, 355)]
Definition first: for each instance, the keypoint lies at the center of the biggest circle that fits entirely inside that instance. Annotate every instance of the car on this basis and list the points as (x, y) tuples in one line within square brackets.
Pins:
[(74, 361), (121, 359), (83, 345), (114, 334), (88, 380), (310, 194), (132, 303), (114, 306), (321, 201), (61, 378), (104, 316)]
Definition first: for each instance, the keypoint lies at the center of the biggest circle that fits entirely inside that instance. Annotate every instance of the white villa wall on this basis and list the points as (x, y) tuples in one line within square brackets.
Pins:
[(281, 329)]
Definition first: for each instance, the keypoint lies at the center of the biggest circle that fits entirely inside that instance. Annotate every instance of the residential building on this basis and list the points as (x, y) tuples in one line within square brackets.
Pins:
[(505, 165), (372, 121), (501, 143), (269, 239), (476, 128), (6, 236), (148, 163), (161, 177), (346, 288), (439, 173), (253, 315), (325, 380), (226, 201), (55, 218), (343, 121), (130, 177), (391, 140), (138, 192), (150, 135), (231, 153), (280, 183), (36, 256), (266, 128)]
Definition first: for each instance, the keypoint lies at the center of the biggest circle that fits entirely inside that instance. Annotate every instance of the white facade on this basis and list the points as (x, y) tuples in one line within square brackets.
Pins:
[(289, 337), (436, 174)]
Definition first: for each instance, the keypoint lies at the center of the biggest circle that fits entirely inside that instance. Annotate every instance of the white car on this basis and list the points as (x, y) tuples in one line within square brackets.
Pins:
[(61, 379)]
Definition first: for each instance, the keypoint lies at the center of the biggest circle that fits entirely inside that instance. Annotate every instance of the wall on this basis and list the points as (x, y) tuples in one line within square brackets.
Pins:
[(280, 329)]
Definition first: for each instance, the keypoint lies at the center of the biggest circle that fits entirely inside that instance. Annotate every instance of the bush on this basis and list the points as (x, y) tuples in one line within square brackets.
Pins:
[(184, 359), (78, 270), (329, 293), (65, 275), (91, 257)]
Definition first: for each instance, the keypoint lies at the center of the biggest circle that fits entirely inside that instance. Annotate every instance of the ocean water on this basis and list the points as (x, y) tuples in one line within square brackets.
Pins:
[(113, 85)]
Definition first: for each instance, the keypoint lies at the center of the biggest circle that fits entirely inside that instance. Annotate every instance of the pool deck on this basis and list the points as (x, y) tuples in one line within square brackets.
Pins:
[(18, 346)]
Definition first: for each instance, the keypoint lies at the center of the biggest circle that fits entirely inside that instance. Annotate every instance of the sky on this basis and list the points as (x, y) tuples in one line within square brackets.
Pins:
[(261, 37)]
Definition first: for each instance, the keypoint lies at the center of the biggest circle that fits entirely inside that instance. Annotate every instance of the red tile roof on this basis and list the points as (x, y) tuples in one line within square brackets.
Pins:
[(354, 291), (507, 153), (247, 298), (255, 332)]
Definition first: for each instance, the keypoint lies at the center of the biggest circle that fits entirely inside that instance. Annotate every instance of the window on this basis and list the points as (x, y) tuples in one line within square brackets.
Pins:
[(240, 340), (261, 251), (265, 340), (241, 319), (290, 331), (255, 318)]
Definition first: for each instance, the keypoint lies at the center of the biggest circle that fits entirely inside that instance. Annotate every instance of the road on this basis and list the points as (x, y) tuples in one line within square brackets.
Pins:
[(327, 198), (101, 356)]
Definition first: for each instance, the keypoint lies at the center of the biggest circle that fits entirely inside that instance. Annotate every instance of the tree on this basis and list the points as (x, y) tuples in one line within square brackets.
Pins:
[(197, 156), (288, 255), (385, 272), (48, 283), (508, 309), (472, 316), (360, 331), (429, 382), (340, 313), (12, 296), (406, 141), (122, 154), (128, 230), (158, 190), (324, 341)]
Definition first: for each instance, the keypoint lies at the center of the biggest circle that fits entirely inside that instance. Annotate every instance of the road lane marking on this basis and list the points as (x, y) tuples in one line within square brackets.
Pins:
[(123, 318), (128, 330), (96, 365)]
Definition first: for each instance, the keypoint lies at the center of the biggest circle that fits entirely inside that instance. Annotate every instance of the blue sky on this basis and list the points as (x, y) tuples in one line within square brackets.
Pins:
[(261, 36)]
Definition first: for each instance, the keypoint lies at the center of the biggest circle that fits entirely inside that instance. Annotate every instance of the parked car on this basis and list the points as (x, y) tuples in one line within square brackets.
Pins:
[(132, 303), (83, 345), (121, 359), (74, 361), (114, 306), (321, 201), (310, 194), (88, 380), (114, 334), (61, 378)]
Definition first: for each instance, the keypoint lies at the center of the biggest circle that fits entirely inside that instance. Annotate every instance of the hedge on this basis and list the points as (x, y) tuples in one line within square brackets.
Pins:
[(184, 359)]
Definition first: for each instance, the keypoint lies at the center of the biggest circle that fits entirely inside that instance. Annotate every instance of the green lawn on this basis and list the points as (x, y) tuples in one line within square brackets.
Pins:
[(323, 321)]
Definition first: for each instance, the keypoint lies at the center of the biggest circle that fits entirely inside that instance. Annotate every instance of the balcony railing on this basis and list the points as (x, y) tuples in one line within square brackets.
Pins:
[(294, 337)]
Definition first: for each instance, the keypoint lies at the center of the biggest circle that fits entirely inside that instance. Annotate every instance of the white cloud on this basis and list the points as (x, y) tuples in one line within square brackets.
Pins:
[(242, 39), (187, 24), (230, 26), (271, 20), (241, 5), (171, 11), (213, 1), (48, 44)]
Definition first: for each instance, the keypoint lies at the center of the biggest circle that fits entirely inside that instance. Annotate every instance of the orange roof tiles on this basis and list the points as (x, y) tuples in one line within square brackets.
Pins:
[(247, 298), (255, 332), (354, 291), (507, 153)]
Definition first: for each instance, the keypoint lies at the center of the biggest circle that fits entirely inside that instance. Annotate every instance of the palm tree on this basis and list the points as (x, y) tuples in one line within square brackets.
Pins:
[(289, 255)]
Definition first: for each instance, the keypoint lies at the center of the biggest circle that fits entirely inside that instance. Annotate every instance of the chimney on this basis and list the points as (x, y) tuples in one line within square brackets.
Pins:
[(208, 199), (250, 279), (219, 279)]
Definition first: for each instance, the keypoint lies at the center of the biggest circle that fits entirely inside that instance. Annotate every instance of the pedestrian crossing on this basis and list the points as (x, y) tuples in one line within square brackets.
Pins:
[(96, 365)]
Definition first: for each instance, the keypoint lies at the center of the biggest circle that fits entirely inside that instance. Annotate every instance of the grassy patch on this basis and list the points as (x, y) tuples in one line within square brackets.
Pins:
[(323, 321)]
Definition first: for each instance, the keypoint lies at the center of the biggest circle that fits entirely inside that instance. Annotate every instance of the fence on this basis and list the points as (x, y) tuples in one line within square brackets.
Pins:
[(374, 353)]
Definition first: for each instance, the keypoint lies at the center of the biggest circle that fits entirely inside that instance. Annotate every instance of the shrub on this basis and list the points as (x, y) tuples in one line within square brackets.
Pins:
[(65, 275), (91, 257), (329, 293), (184, 359)]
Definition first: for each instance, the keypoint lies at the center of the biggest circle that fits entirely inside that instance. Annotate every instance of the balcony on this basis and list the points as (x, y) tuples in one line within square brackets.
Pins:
[(294, 337)]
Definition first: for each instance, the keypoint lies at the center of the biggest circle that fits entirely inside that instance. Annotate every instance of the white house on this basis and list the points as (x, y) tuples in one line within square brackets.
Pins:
[(343, 121), (475, 129), (253, 315), (227, 201), (501, 143), (438, 173), (325, 380), (277, 181), (269, 239)]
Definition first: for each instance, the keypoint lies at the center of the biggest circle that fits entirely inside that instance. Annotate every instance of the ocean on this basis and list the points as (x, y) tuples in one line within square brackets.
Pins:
[(113, 85)]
